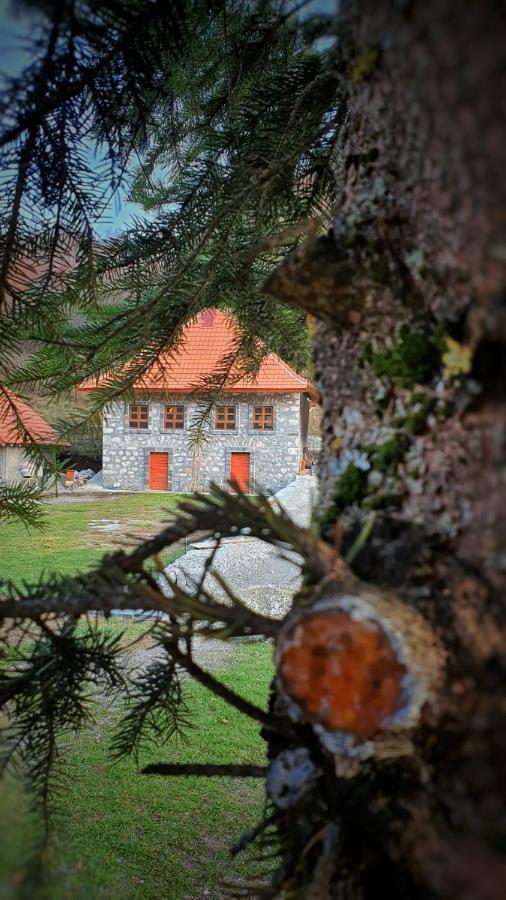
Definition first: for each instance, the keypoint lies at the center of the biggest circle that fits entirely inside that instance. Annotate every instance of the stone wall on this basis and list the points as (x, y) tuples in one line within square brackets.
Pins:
[(275, 455)]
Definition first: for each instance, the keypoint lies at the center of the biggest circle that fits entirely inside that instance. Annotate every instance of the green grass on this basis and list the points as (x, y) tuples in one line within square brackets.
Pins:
[(67, 545), (124, 835)]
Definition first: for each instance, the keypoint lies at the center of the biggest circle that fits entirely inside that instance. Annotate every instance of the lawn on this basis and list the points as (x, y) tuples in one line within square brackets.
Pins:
[(124, 835), (78, 532)]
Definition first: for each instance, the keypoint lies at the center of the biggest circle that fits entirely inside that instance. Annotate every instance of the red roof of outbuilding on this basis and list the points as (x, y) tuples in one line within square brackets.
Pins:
[(206, 342), (17, 418)]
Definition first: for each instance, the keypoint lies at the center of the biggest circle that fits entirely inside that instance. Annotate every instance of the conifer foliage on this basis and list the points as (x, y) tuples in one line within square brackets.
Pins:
[(223, 118)]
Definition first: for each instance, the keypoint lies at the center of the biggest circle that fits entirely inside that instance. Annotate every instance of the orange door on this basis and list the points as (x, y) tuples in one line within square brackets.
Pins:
[(239, 470), (159, 471)]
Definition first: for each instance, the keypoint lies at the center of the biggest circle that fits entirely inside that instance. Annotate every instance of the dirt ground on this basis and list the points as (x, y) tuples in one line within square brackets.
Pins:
[(82, 495)]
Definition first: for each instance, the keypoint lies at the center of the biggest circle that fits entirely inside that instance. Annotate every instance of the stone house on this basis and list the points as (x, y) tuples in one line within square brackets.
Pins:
[(19, 424), (254, 432)]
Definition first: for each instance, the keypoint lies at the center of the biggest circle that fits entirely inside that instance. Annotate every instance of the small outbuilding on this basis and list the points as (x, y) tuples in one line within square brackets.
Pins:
[(20, 426)]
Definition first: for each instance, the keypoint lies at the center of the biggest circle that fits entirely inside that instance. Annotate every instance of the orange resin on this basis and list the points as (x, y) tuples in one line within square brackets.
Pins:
[(341, 672)]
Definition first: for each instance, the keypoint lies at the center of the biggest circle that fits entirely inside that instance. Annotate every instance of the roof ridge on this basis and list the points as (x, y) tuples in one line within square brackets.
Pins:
[(288, 367)]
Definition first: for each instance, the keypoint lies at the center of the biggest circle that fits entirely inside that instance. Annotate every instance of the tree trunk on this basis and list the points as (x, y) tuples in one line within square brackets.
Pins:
[(408, 289)]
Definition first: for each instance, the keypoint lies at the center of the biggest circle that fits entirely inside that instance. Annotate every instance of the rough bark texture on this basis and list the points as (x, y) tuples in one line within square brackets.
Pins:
[(409, 289)]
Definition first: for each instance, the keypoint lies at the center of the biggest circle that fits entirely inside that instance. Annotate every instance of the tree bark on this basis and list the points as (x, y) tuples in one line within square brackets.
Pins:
[(409, 289)]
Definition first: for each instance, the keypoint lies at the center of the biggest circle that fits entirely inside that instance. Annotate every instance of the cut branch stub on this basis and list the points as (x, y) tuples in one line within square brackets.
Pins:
[(358, 664), (343, 673), (317, 278)]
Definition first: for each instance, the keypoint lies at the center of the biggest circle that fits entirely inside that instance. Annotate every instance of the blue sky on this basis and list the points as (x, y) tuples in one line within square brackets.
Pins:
[(16, 33)]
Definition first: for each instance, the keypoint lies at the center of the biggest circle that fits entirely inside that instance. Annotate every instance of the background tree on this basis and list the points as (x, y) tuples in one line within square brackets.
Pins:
[(386, 728)]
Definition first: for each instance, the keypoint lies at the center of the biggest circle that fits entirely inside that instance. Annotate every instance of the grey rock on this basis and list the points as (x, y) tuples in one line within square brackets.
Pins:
[(264, 577)]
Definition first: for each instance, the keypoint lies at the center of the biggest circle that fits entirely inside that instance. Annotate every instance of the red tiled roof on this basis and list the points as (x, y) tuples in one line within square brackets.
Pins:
[(13, 422), (205, 343)]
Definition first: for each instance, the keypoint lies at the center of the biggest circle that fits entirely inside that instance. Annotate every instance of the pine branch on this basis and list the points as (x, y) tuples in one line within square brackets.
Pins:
[(68, 90), (156, 711), (232, 148), (45, 694), (22, 502)]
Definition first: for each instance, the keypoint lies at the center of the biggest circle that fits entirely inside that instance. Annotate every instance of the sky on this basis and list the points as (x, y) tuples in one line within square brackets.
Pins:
[(16, 33)]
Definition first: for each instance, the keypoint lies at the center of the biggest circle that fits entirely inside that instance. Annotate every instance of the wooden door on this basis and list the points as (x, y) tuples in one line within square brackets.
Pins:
[(239, 470), (159, 471)]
